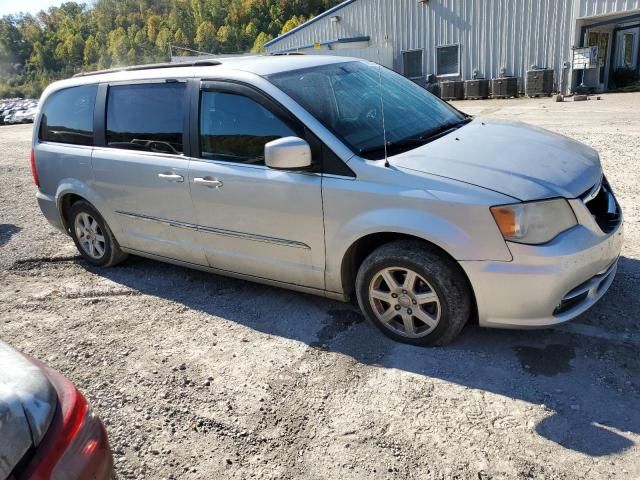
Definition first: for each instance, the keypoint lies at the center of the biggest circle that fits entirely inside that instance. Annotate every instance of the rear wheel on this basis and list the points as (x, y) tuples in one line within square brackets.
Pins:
[(93, 237), (413, 293)]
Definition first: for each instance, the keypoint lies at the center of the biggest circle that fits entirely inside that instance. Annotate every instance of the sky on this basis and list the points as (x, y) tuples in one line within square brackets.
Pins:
[(31, 6)]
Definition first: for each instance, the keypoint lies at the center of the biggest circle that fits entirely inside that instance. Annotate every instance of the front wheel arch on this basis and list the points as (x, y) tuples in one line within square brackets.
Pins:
[(364, 246)]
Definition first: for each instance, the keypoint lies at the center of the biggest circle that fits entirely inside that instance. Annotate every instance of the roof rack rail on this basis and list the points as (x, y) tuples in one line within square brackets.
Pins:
[(152, 66), (288, 54)]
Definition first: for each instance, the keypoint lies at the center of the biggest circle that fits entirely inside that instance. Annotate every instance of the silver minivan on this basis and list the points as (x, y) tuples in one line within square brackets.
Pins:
[(331, 176)]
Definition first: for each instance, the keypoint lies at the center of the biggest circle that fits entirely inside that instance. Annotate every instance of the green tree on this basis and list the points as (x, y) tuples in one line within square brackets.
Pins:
[(153, 27), (91, 51), (132, 57), (164, 39), (261, 39), (198, 11), (118, 46), (181, 19), (229, 39), (206, 37), (249, 35), (52, 44), (14, 48), (292, 23), (180, 38)]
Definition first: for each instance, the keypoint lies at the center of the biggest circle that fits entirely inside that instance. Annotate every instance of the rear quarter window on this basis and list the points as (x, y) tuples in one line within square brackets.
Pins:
[(67, 116)]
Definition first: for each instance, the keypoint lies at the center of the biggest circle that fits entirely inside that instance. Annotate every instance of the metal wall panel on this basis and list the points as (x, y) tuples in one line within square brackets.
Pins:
[(493, 34), (590, 8)]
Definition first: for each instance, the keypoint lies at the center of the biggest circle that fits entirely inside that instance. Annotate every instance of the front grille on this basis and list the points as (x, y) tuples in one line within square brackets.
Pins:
[(603, 206)]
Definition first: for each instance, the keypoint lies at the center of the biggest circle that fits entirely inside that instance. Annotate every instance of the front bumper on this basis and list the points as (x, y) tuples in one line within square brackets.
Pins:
[(546, 284)]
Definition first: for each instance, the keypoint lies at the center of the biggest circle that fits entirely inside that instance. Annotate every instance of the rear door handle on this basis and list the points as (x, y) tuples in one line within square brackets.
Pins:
[(208, 182), (171, 177)]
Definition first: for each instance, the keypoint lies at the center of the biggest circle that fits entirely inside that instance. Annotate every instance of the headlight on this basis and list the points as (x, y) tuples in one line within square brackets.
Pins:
[(534, 222)]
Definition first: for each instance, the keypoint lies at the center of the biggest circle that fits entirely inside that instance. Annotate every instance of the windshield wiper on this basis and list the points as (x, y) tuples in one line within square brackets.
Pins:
[(422, 139), (392, 146), (442, 130)]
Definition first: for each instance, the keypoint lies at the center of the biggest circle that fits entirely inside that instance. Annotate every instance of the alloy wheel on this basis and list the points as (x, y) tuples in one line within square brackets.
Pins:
[(90, 235), (404, 302)]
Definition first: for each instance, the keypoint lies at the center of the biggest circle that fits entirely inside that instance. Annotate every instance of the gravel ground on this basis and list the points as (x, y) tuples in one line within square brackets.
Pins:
[(201, 376)]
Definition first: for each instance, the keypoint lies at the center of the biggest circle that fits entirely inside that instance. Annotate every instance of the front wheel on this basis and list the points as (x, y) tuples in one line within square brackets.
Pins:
[(413, 293)]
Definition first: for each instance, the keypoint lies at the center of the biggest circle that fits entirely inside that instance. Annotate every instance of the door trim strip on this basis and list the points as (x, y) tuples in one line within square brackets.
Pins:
[(217, 231)]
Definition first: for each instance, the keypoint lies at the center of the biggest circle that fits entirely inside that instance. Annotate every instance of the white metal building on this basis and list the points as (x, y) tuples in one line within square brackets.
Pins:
[(455, 38)]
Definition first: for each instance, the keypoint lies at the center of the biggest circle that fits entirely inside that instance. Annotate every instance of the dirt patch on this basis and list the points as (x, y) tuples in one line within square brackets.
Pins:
[(549, 360)]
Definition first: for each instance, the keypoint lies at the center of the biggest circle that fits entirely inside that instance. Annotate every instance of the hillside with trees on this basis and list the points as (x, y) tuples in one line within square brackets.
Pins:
[(38, 49)]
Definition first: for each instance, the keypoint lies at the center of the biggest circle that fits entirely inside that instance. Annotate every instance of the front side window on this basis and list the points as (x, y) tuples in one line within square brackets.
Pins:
[(448, 60), (412, 64), (67, 116), (235, 128), (351, 99), (146, 116)]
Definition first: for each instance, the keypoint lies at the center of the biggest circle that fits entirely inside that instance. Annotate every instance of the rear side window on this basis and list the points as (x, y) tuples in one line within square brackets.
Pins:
[(146, 116), (67, 116), (235, 128)]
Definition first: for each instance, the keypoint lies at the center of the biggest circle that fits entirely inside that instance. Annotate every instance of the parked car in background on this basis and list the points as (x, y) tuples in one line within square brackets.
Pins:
[(332, 176), (24, 116), (17, 110), (10, 119), (30, 114), (47, 429), (6, 115), (15, 117)]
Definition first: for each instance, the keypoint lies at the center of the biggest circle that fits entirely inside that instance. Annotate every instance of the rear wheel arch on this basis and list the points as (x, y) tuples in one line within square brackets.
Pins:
[(70, 192), (64, 205)]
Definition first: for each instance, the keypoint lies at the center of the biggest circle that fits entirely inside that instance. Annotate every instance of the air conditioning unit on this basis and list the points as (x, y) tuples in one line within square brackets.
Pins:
[(476, 89), (505, 87), (539, 82), (453, 90)]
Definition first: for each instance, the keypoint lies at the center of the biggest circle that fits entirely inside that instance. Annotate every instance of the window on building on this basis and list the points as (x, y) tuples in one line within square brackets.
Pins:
[(627, 43), (448, 60), (146, 116), (412, 64), (235, 128), (600, 40), (67, 116)]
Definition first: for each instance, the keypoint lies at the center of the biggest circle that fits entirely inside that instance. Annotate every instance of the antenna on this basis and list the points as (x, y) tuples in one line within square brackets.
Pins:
[(384, 128)]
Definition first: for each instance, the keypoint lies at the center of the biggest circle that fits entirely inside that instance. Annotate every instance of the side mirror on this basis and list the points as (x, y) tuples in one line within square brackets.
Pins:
[(288, 153)]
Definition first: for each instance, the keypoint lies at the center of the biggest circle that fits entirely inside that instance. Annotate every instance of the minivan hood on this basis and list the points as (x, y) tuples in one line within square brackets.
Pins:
[(513, 158)]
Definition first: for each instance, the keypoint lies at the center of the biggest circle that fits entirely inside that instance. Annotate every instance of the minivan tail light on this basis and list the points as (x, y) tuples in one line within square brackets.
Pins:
[(34, 170)]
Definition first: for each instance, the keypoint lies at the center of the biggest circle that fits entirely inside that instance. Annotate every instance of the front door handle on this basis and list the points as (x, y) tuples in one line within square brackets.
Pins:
[(208, 182), (171, 177)]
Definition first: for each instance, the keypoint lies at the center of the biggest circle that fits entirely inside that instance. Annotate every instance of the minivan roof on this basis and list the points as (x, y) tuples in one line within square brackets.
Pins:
[(259, 65)]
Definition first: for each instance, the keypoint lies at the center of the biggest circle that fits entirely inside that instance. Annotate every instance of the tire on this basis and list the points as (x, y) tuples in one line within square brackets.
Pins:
[(93, 237), (430, 301)]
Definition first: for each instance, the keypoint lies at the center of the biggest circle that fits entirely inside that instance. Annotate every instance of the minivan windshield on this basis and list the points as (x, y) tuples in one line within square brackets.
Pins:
[(360, 101)]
